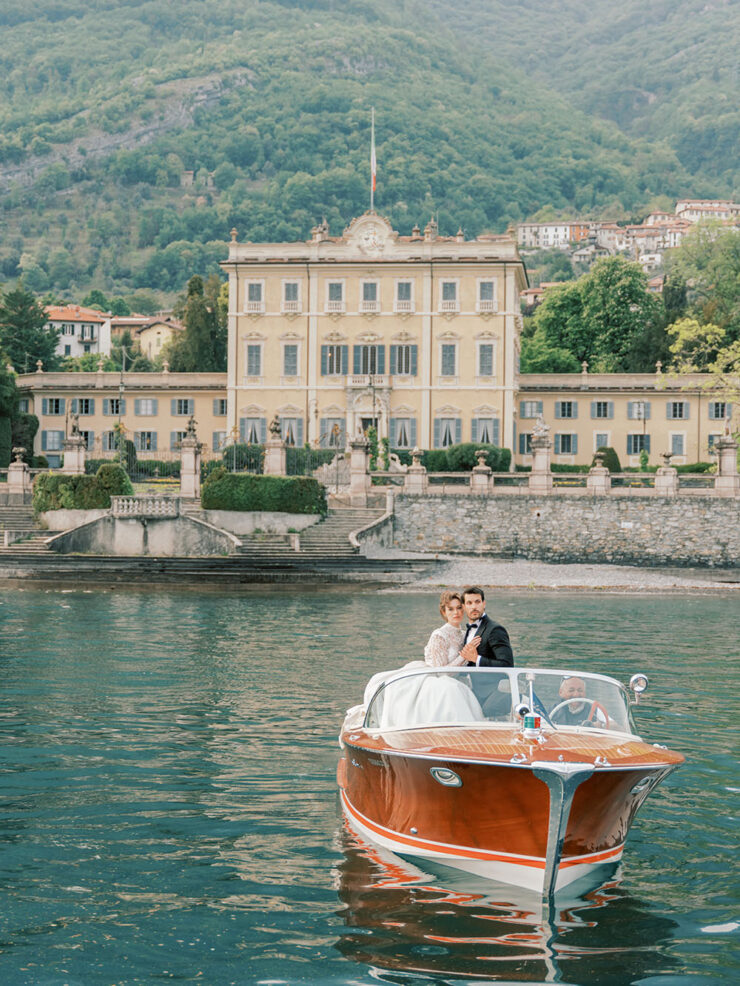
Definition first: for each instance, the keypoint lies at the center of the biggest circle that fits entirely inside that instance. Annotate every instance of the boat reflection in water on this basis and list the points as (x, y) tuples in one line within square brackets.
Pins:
[(402, 920)]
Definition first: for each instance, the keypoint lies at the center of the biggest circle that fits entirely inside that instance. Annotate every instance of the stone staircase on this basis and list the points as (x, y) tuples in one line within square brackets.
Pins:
[(16, 518), (327, 539), (33, 544)]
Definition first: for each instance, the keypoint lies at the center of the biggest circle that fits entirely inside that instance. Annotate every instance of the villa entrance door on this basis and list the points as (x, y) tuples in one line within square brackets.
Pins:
[(369, 423)]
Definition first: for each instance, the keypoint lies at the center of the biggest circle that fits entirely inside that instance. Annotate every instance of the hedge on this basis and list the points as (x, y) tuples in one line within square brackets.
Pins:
[(6, 441), (462, 458), (223, 490), (55, 491)]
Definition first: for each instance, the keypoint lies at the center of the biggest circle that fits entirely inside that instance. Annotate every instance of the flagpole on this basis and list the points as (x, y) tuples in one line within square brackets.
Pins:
[(372, 161)]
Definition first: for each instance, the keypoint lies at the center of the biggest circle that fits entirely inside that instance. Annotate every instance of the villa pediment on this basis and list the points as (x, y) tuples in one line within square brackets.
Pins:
[(370, 235)]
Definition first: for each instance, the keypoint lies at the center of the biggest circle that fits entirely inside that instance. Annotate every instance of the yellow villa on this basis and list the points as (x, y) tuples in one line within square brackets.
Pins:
[(417, 335)]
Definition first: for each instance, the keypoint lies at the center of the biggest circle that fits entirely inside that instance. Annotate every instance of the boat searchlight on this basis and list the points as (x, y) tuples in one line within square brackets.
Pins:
[(638, 684)]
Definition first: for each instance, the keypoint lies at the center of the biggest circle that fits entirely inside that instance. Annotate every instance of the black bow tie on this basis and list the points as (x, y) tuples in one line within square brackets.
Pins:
[(472, 626)]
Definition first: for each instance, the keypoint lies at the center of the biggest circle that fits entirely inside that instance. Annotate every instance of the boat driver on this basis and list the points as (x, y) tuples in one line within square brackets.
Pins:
[(576, 713)]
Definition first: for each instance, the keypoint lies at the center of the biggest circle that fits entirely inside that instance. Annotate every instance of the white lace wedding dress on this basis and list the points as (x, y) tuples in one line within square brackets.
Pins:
[(421, 699)]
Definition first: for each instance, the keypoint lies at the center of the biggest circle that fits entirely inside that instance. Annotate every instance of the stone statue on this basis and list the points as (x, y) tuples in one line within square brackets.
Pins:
[(540, 430), (191, 427), (275, 427), (75, 426)]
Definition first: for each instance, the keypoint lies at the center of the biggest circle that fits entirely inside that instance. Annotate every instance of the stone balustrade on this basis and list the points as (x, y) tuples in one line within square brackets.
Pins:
[(145, 506)]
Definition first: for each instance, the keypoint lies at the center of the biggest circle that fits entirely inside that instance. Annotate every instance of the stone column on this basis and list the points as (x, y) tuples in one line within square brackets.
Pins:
[(75, 449), (275, 451), (190, 454), (599, 479), (666, 478), (416, 479), (359, 471), (481, 478), (727, 482), (540, 479), (19, 478)]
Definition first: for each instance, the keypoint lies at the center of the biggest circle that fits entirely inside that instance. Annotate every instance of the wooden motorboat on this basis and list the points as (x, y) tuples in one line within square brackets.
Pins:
[(477, 769)]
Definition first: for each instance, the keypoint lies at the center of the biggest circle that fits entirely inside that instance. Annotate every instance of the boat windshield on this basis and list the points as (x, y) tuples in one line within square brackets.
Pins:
[(469, 696)]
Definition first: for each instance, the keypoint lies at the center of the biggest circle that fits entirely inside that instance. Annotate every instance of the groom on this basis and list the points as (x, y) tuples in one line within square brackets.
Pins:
[(493, 650)]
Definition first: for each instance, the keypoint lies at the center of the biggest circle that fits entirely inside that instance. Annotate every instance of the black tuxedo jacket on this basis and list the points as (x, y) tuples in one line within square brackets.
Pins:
[(494, 649)]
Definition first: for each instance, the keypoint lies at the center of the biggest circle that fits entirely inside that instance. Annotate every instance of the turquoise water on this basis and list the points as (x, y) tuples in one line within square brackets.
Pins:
[(168, 805)]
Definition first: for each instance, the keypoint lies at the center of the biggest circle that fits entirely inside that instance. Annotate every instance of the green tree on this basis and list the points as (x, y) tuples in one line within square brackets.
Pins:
[(24, 336), (606, 317), (538, 356), (96, 299), (126, 355), (708, 262), (8, 404), (201, 348)]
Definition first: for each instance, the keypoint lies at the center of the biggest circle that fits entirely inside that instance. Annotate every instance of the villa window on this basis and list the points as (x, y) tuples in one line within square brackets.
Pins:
[(485, 431), (291, 431), (447, 431), (335, 296), (291, 296), (530, 409), (485, 359), (114, 406), (145, 441), (219, 441), (52, 405), (334, 361), (254, 297), (290, 360), (176, 438), (449, 296), (448, 359), (404, 360), (566, 444), (51, 441), (368, 360), (332, 433), (146, 407), (404, 299), (525, 443), (637, 443), (566, 409), (253, 431), (602, 409), (678, 444), (370, 297), (486, 296), (719, 410), (219, 407), (254, 360), (183, 406), (677, 410)]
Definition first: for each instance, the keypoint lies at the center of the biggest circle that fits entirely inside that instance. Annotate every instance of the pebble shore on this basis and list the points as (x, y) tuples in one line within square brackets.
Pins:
[(456, 570)]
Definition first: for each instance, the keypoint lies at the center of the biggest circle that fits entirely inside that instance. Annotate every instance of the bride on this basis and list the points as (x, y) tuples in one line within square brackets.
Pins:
[(432, 698)]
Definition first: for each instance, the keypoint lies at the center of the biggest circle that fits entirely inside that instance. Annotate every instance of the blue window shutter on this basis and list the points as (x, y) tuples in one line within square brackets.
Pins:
[(173, 441), (381, 359), (92, 405), (540, 406), (474, 430), (357, 359), (214, 441), (215, 406), (299, 432), (191, 405), (155, 405), (393, 434), (137, 406), (123, 406), (44, 408), (323, 432), (73, 404), (496, 431), (263, 430), (43, 439), (575, 409), (522, 444), (557, 445), (521, 409), (669, 409), (414, 360), (412, 433), (574, 444), (610, 409), (106, 406), (686, 410), (647, 410), (324, 360), (728, 410), (154, 441), (345, 360), (458, 430), (62, 403), (173, 406), (647, 443), (437, 433), (593, 409), (242, 430), (631, 410), (712, 411), (558, 409), (394, 361)]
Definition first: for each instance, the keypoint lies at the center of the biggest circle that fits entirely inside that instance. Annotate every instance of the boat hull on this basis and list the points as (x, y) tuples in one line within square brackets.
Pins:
[(496, 818)]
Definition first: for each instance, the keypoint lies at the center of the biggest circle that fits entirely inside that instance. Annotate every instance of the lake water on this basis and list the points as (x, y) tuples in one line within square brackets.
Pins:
[(168, 807)]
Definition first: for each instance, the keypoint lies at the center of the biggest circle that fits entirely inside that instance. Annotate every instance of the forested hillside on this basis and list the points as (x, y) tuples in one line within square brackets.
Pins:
[(105, 105)]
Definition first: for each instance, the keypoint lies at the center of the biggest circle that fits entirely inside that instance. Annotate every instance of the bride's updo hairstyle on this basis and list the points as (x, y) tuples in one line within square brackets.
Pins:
[(446, 598)]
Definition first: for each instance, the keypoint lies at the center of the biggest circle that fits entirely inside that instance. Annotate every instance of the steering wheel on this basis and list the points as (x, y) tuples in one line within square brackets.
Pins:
[(589, 719)]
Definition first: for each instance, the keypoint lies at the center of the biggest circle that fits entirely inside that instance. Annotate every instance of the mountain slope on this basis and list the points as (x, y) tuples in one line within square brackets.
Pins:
[(105, 107)]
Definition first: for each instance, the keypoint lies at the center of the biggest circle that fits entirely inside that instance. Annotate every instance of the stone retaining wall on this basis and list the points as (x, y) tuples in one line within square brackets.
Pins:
[(697, 530)]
